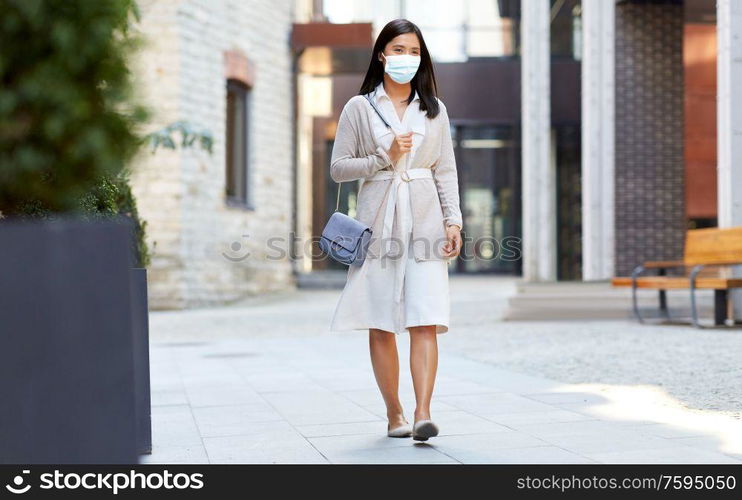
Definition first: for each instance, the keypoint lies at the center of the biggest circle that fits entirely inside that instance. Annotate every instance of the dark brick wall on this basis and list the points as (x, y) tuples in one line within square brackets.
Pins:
[(650, 195)]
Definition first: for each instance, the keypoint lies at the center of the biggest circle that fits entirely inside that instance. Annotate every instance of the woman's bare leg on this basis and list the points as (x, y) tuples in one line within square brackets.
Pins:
[(423, 365), (385, 360)]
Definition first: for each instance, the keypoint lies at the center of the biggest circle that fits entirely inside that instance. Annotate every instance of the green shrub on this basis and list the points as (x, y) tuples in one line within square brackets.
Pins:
[(126, 205), (68, 126), (112, 196), (66, 117)]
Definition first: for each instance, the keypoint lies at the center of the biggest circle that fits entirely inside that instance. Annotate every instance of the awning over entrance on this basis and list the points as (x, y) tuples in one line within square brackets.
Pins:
[(331, 49)]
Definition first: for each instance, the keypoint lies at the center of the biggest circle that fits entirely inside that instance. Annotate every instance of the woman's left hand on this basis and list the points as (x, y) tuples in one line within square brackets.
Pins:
[(452, 248)]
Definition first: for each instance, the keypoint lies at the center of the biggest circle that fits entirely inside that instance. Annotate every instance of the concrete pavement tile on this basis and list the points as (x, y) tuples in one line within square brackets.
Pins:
[(510, 381), (632, 422), (528, 455), (375, 449), (408, 404), (346, 379), (665, 430), (477, 447), (516, 420), (372, 400), (589, 409), (264, 365), (364, 397), (223, 395), (583, 427), (712, 443), (174, 425), (595, 410), (274, 447), (446, 386), (281, 382), (176, 454), (192, 379), (168, 397), (198, 362), (317, 407), (490, 404), (215, 421), (400, 455), (592, 442), (327, 415), (454, 423), (376, 427), (165, 380), (563, 396), (161, 360), (670, 455), (358, 442), (454, 363)]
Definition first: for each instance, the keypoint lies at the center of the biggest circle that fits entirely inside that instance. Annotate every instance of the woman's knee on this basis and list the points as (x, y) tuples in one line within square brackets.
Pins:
[(423, 332), (381, 336)]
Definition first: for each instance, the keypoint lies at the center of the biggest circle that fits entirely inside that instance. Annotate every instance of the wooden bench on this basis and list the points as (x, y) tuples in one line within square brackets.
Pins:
[(706, 250)]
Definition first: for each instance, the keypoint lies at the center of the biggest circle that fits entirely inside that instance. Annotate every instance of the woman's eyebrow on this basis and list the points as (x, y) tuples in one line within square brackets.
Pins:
[(402, 46)]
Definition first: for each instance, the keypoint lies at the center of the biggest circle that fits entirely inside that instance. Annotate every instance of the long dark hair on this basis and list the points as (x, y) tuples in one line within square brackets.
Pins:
[(423, 81)]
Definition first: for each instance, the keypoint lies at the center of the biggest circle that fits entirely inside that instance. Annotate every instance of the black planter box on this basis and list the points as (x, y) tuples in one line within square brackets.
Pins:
[(66, 353), (140, 338)]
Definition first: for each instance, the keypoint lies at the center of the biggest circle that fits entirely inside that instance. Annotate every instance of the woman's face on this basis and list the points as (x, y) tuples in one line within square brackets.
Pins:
[(406, 43)]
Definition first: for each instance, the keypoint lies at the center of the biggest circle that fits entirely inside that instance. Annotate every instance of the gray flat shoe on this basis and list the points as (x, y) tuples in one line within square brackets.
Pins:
[(423, 430), (402, 431)]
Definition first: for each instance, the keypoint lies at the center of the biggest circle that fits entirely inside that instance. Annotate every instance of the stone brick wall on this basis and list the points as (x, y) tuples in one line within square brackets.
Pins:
[(650, 200), (181, 194)]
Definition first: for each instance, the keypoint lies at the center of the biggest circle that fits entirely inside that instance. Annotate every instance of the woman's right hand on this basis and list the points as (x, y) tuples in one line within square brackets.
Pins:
[(401, 144)]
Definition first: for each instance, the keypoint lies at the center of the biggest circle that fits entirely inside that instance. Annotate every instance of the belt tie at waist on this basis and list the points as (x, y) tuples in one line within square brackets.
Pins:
[(398, 178)]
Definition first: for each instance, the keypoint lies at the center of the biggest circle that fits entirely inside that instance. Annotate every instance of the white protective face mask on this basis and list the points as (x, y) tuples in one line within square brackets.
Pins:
[(402, 67)]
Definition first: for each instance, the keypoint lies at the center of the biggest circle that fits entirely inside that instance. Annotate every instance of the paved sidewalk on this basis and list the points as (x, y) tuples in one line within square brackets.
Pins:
[(265, 383)]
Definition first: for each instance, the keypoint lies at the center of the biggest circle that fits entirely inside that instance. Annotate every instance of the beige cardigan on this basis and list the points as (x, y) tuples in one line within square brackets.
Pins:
[(356, 154)]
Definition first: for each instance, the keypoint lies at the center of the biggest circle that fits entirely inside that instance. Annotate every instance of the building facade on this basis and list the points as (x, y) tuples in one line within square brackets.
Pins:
[(660, 134), (223, 67)]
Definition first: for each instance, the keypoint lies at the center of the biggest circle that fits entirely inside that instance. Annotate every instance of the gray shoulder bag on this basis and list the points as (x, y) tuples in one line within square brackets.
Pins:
[(344, 238)]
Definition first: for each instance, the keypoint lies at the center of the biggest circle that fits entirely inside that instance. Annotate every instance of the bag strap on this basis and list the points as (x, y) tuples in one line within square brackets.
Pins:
[(368, 98)]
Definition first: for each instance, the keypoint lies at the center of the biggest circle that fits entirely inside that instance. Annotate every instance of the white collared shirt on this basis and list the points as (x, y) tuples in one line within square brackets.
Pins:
[(413, 120)]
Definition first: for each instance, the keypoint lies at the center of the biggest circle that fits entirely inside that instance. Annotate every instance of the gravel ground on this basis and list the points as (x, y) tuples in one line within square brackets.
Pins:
[(698, 368)]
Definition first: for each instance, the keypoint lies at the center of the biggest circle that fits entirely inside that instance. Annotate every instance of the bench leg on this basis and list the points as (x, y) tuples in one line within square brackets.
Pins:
[(634, 300), (720, 307), (635, 305), (664, 311), (693, 306)]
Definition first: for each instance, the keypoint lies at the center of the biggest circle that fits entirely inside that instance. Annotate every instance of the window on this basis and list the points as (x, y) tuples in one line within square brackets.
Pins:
[(238, 101)]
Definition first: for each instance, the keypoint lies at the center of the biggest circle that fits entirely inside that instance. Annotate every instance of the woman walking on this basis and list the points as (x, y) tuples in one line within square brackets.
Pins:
[(409, 197)]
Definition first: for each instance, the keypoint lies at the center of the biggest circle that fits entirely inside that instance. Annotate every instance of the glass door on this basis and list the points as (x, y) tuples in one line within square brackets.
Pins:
[(488, 162)]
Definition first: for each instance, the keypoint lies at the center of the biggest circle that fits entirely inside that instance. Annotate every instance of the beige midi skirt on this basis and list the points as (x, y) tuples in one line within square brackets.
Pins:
[(394, 292)]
